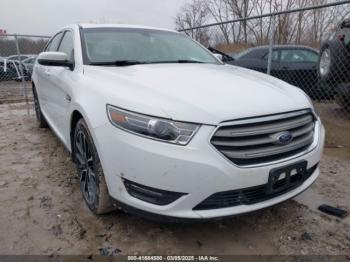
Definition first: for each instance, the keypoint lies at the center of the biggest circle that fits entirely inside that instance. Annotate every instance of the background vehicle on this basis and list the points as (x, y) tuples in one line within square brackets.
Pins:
[(16, 57), (294, 64), (29, 64), (9, 70), (334, 63)]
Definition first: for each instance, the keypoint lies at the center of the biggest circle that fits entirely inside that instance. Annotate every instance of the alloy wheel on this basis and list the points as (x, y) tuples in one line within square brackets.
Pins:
[(86, 168), (325, 62)]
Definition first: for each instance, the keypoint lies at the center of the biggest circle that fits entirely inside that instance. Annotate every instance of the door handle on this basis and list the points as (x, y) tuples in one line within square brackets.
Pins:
[(68, 99)]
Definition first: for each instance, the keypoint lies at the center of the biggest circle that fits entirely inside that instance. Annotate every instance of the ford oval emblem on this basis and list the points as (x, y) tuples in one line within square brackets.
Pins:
[(283, 138)]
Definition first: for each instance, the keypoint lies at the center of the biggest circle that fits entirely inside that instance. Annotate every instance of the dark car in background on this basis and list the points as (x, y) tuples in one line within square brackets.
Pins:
[(29, 64), (294, 64), (334, 63)]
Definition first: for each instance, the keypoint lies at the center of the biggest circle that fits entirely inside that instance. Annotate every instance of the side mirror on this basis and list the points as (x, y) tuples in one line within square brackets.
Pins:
[(219, 56), (55, 59)]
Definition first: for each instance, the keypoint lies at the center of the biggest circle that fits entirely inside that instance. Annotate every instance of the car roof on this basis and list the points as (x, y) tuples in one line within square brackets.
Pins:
[(124, 26), (28, 55), (31, 57), (277, 47)]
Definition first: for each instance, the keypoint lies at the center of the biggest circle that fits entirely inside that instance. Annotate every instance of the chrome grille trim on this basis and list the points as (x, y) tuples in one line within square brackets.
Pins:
[(250, 142), (266, 128)]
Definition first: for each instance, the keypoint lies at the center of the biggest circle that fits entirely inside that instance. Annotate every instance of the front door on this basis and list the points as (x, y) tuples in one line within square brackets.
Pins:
[(61, 89)]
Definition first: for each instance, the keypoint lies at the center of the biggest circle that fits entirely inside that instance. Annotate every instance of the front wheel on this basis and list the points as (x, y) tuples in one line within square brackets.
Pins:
[(92, 182)]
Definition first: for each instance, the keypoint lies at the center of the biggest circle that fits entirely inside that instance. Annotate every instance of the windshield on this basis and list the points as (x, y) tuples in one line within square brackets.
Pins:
[(110, 45), (242, 54)]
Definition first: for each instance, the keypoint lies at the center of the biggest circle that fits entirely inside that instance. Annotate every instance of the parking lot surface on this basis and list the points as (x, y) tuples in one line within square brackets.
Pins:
[(43, 211)]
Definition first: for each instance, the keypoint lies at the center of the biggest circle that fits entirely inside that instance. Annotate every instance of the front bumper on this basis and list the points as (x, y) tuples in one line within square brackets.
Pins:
[(196, 169)]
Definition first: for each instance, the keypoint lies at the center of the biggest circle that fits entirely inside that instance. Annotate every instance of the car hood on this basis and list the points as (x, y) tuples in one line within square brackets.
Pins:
[(199, 93)]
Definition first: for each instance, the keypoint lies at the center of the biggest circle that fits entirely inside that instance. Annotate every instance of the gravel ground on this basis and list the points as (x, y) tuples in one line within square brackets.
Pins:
[(43, 211)]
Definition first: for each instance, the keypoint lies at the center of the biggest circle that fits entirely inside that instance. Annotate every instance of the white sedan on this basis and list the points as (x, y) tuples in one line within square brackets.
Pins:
[(159, 126)]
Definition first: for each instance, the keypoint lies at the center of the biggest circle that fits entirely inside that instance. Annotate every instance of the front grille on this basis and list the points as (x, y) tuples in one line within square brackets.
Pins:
[(252, 195), (254, 141)]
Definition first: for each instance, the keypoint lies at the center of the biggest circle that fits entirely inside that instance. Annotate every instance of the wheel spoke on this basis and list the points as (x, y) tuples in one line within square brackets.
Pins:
[(90, 162), (84, 145), (81, 161), (86, 180), (79, 147), (82, 175), (91, 185)]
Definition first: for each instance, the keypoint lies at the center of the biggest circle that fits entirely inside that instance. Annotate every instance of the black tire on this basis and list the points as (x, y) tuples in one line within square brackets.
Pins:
[(324, 91), (343, 96), (92, 181), (338, 69), (39, 115)]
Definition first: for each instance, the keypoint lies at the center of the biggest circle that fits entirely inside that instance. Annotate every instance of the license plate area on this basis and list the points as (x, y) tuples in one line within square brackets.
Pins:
[(282, 179)]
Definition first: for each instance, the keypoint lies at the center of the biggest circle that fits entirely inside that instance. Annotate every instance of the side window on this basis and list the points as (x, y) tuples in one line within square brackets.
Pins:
[(54, 43), (275, 56), (299, 56), (67, 44)]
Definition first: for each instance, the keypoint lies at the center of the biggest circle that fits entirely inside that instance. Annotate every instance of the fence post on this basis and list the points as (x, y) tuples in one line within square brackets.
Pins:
[(272, 34), (21, 69)]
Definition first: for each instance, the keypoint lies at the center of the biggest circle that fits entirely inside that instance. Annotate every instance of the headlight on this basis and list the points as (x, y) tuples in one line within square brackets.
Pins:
[(152, 127)]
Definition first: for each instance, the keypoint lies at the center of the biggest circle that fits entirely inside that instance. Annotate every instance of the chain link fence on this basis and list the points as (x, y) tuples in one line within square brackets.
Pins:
[(306, 46), (17, 57)]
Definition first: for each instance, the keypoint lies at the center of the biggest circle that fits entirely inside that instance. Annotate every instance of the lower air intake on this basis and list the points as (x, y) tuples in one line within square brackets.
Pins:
[(151, 195), (249, 196)]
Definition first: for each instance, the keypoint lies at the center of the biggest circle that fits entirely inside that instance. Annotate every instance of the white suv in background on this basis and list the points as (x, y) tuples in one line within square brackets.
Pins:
[(159, 126)]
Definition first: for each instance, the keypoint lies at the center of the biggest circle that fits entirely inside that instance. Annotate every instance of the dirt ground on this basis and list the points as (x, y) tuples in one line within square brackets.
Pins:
[(337, 123), (11, 91), (42, 211)]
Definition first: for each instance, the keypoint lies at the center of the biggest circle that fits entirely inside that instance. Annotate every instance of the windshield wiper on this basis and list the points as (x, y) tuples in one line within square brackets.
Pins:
[(118, 63), (184, 61), (135, 62), (181, 61)]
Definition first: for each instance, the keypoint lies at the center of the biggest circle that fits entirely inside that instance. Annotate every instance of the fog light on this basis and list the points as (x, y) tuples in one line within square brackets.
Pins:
[(151, 195)]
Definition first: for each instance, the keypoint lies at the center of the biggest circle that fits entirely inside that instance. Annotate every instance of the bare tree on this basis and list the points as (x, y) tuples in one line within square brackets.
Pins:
[(304, 27), (219, 11), (241, 9), (191, 15)]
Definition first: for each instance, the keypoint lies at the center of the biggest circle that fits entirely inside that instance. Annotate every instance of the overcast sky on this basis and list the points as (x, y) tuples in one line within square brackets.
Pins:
[(47, 16)]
